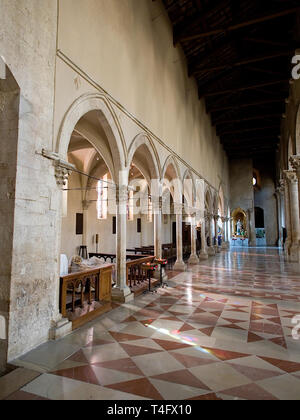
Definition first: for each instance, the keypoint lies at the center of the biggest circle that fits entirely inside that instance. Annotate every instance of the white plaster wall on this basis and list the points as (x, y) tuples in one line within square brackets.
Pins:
[(104, 228), (127, 48), (266, 199), (241, 184)]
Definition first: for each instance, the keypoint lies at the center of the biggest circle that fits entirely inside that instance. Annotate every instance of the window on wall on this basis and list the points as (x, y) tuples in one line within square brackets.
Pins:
[(102, 201)]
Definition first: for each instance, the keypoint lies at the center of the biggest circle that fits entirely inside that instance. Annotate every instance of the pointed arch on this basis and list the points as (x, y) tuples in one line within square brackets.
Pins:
[(108, 121), (190, 195), (148, 161), (208, 200), (171, 161)]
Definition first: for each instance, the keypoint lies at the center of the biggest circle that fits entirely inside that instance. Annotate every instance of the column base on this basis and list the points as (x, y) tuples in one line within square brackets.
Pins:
[(211, 251), (193, 260), (203, 255), (294, 253), (122, 295), (61, 329), (217, 249), (179, 266)]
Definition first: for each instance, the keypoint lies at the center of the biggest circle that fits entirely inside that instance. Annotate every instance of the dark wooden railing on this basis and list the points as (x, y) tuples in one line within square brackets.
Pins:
[(135, 274), (93, 286)]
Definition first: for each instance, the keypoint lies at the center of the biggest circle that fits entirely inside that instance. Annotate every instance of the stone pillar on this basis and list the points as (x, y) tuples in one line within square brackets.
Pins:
[(203, 254), (217, 248), (179, 265), (85, 209), (282, 202), (251, 224), (287, 215), (121, 292), (193, 258), (60, 326), (224, 241), (278, 193), (293, 184), (211, 249), (227, 232), (157, 231)]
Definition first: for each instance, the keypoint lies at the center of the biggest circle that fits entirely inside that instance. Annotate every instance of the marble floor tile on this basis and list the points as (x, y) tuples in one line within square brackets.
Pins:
[(221, 330)]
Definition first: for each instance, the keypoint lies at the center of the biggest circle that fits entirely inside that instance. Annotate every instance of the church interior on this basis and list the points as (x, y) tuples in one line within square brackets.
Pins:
[(150, 200)]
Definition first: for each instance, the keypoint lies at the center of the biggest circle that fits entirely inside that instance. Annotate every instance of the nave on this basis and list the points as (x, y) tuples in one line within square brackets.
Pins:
[(221, 330)]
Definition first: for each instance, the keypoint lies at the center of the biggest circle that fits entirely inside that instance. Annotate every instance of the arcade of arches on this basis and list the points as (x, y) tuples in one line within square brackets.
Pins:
[(145, 254)]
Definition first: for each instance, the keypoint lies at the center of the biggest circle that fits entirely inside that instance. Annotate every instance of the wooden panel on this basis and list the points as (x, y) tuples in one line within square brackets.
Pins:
[(139, 225), (79, 224), (114, 227), (105, 284)]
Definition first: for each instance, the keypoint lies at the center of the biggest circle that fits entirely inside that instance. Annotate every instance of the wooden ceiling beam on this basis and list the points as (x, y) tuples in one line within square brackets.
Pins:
[(245, 130), (255, 117), (180, 30), (267, 42), (244, 140), (246, 105), (244, 88), (224, 30), (254, 143), (242, 62)]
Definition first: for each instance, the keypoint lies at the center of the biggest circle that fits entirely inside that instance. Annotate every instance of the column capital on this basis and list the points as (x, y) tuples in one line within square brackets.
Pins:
[(291, 177), (295, 162), (281, 187), (61, 175)]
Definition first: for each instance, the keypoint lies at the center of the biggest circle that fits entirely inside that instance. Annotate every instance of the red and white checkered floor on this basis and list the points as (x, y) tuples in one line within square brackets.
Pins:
[(222, 330)]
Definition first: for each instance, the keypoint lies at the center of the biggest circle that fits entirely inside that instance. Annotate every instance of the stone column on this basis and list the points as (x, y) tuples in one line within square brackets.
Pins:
[(157, 231), (121, 292), (293, 183), (85, 209), (287, 215), (193, 258), (211, 249), (282, 202), (60, 326), (251, 223), (203, 254), (278, 193), (179, 265), (217, 248), (227, 232), (224, 241)]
